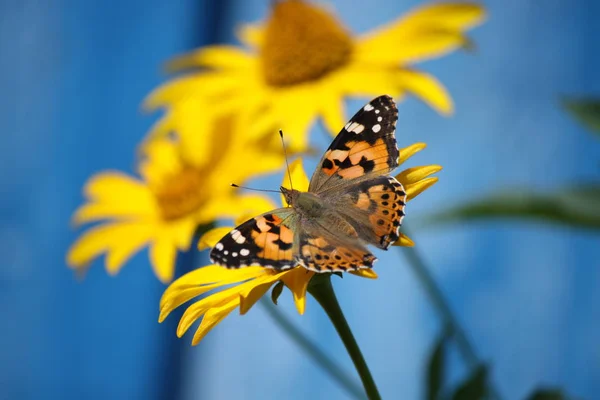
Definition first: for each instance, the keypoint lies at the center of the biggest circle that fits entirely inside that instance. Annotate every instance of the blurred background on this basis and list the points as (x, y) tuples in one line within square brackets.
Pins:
[(73, 77)]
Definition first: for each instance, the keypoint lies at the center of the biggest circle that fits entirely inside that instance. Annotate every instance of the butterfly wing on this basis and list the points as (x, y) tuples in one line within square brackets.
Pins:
[(364, 148), (266, 240), (350, 178), (322, 250), (375, 208)]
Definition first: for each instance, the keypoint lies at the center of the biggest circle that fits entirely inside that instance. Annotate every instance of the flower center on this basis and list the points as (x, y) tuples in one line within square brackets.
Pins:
[(181, 194), (302, 43)]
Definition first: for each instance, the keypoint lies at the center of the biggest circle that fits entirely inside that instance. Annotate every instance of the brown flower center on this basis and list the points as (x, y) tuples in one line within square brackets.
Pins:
[(181, 194), (302, 43)]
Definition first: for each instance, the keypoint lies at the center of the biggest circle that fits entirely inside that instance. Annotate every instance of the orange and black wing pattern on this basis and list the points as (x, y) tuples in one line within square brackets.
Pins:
[(266, 240), (365, 147)]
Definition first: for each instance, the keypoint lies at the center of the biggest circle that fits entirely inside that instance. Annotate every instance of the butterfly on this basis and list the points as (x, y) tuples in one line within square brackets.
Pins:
[(351, 202)]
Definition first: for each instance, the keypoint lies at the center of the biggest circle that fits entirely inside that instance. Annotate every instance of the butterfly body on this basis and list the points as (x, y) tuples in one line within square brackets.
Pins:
[(351, 202), (308, 205)]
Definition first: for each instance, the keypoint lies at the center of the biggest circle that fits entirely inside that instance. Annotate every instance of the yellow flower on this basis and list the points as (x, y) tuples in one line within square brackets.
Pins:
[(251, 283), (175, 195), (301, 62)]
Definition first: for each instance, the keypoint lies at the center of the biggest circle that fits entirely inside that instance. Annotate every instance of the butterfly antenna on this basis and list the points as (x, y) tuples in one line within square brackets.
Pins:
[(286, 159), (256, 190)]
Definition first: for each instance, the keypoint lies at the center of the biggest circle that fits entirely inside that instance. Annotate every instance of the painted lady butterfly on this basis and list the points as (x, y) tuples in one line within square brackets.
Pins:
[(351, 202)]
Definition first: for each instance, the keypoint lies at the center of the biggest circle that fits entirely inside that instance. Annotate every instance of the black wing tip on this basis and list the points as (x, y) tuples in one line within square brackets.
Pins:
[(386, 105), (384, 99)]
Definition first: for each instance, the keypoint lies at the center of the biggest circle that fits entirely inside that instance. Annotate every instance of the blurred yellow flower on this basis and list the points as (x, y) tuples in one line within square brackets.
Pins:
[(302, 61), (253, 282), (177, 193)]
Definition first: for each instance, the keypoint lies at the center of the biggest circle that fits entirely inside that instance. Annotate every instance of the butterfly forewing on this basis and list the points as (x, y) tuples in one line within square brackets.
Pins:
[(352, 202), (267, 240), (365, 147)]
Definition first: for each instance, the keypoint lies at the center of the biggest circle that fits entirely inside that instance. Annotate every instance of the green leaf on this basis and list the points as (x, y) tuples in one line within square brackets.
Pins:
[(586, 111), (475, 387), (547, 394), (276, 292), (435, 368), (571, 206)]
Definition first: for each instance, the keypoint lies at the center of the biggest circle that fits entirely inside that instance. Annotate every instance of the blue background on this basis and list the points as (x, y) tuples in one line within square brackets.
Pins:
[(73, 76)]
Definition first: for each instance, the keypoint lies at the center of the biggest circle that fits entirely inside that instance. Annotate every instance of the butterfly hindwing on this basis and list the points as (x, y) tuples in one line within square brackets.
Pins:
[(375, 208), (321, 251), (266, 240), (366, 146), (351, 202)]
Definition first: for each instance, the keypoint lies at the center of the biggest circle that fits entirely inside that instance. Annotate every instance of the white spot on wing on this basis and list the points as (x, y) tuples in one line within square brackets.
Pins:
[(376, 111), (219, 246), (376, 128), (368, 107), (355, 127), (244, 252), (234, 254), (379, 119), (237, 236)]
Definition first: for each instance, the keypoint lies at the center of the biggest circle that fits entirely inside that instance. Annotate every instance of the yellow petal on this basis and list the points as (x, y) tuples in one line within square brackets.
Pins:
[(427, 88), (196, 136), (415, 174), (212, 237), (161, 160), (297, 281), (404, 241), (233, 206), (299, 178), (229, 92), (110, 185), (229, 298), (158, 130), (259, 124), (416, 188), (412, 47), (212, 318), (428, 32), (199, 308), (201, 281), (365, 273), (296, 111), (218, 57), (360, 80), (418, 45), (332, 109), (118, 255), (252, 294), (163, 254), (104, 238), (128, 209), (215, 274), (175, 299), (173, 91), (451, 15), (180, 232), (410, 151), (259, 156), (251, 35)]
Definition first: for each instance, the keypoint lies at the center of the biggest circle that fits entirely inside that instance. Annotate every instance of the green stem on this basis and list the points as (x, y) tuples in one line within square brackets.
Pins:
[(331, 367), (436, 296), (321, 289)]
